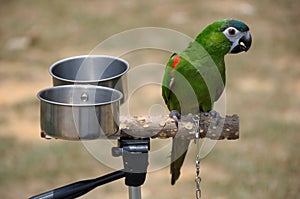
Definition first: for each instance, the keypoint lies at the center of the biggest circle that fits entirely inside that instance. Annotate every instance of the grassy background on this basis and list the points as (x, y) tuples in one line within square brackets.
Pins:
[(263, 88)]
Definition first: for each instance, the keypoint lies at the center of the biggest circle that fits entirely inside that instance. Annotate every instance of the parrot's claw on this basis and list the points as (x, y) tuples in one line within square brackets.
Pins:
[(215, 116), (211, 113), (176, 116)]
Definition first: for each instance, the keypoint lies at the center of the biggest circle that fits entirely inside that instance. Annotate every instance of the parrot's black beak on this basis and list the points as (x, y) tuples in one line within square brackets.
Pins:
[(244, 44)]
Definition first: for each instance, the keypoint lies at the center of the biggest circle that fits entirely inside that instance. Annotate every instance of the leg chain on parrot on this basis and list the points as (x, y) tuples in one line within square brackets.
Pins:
[(196, 120)]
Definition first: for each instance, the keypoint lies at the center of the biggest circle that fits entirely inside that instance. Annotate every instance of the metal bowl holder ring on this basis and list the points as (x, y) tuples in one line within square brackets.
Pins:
[(84, 105)]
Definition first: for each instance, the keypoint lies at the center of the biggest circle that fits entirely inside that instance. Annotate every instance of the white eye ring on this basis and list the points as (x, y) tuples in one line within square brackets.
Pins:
[(231, 31)]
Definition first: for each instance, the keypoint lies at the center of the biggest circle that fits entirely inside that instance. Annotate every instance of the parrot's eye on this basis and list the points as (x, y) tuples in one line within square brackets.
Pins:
[(232, 34), (231, 31)]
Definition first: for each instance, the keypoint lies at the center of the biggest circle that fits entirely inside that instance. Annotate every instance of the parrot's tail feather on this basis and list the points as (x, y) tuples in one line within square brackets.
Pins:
[(175, 168), (179, 150)]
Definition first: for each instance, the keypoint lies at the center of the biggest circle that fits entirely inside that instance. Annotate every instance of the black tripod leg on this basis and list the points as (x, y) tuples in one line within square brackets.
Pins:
[(80, 188)]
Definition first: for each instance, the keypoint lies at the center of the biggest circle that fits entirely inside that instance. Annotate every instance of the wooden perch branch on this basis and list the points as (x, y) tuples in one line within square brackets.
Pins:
[(164, 127)]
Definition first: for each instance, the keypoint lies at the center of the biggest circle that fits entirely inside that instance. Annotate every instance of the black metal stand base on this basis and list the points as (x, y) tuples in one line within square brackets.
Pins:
[(135, 160)]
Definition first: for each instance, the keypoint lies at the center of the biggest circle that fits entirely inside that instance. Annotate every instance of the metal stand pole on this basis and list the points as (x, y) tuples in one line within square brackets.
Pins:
[(134, 192), (135, 160)]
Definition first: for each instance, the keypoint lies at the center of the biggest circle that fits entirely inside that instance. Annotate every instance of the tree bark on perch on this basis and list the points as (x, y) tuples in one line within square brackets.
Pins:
[(164, 127)]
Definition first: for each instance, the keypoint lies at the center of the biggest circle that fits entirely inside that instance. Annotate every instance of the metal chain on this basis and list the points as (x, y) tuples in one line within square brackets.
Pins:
[(198, 178), (196, 120)]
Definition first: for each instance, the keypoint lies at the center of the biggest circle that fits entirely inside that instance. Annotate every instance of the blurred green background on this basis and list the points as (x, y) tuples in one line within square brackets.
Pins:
[(263, 88)]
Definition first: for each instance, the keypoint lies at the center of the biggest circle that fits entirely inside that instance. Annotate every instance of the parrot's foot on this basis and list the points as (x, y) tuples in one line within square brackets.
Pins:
[(212, 113), (215, 117), (175, 115)]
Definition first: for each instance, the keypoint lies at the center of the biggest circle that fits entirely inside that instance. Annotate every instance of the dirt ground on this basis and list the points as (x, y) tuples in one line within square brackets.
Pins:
[(263, 88)]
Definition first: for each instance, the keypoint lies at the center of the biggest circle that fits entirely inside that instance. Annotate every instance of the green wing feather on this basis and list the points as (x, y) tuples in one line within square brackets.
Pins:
[(198, 78)]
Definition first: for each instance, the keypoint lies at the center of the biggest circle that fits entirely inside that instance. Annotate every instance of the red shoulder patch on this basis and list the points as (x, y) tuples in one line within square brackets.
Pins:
[(219, 91), (175, 61)]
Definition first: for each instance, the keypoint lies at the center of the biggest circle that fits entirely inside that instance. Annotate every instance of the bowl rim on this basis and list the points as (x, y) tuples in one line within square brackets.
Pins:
[(74, 86), (87, 56)]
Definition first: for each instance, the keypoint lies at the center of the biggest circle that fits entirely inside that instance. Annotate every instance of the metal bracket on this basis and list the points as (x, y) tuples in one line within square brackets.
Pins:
[(135, 159)]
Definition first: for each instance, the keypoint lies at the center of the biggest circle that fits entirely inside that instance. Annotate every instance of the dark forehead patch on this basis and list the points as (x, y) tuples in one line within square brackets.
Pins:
[(236, 24)]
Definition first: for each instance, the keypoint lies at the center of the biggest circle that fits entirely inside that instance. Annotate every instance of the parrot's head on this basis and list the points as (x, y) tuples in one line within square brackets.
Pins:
[(238, 34), (226, 36)]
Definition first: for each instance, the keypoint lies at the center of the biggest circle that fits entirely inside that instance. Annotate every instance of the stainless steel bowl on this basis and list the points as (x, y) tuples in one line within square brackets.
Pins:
[(99, 70), (74, 112)]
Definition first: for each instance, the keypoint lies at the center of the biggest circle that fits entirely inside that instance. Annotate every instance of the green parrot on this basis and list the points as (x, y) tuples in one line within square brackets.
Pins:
[(195, 78)]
